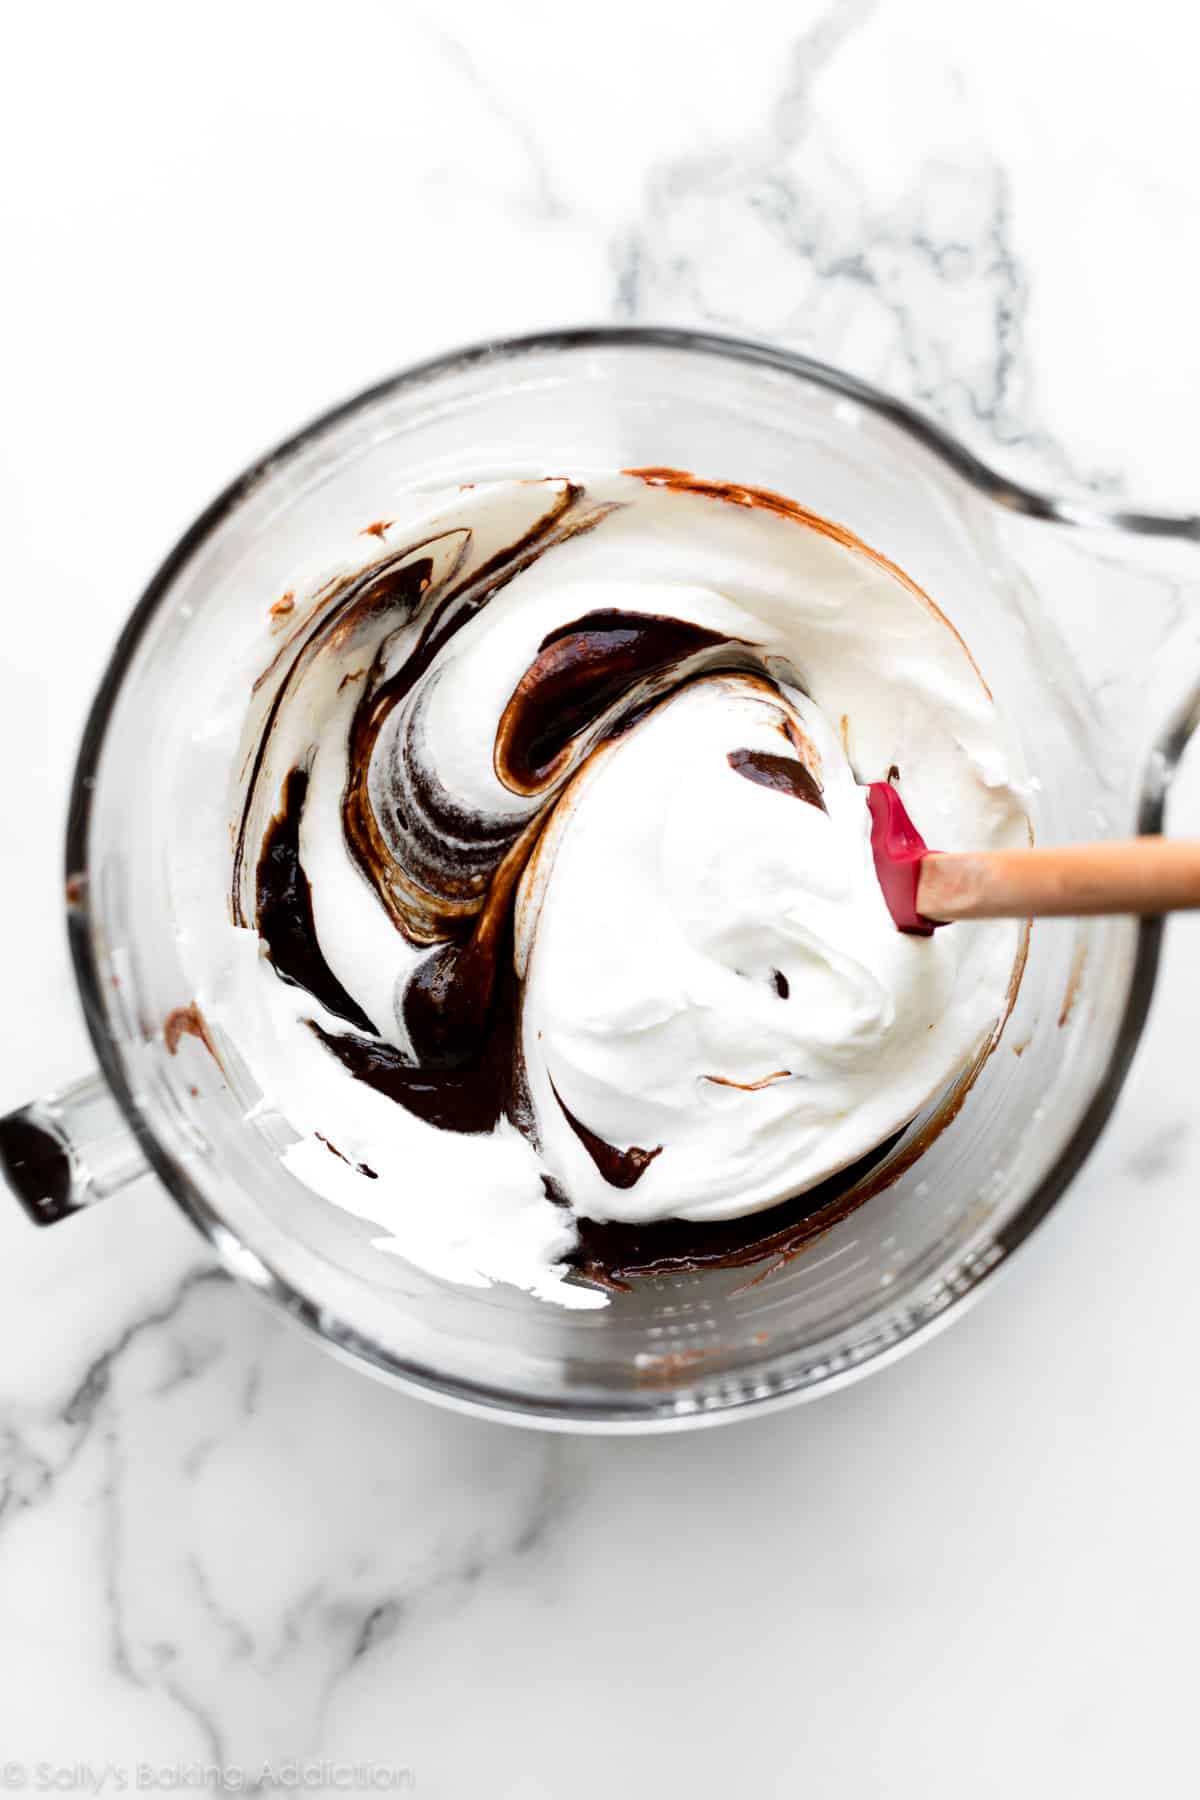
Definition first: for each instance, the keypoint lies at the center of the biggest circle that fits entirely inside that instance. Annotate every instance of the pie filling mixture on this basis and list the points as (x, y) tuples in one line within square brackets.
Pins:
[(556, 936)]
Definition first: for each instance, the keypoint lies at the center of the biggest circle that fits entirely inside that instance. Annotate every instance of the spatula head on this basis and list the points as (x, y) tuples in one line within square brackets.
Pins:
[(898, 848)]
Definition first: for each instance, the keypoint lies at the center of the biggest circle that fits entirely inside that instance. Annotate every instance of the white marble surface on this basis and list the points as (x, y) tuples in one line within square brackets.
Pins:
[(977, 1572)]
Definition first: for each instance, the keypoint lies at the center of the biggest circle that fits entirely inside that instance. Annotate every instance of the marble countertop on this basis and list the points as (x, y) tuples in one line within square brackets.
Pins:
[(978, 1569)]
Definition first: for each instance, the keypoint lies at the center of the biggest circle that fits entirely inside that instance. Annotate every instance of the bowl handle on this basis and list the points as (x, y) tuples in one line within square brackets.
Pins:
[(62, 1154)]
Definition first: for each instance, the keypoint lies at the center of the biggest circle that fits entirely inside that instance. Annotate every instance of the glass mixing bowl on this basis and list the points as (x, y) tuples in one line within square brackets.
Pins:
[(1070, 636)]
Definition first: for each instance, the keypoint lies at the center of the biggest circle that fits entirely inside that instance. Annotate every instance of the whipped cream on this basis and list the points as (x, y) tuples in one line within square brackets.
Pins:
[(553, 897)]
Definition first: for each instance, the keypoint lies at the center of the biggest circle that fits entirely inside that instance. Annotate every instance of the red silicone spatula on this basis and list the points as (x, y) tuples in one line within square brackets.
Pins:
[(925, 888)]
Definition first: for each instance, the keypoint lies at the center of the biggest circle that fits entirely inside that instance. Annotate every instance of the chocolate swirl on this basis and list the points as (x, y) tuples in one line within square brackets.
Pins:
[(446, 875), (424, 739)]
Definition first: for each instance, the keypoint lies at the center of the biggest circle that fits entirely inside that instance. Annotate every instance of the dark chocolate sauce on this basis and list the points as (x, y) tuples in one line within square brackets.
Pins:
[(471, 1096), (620, 1168), (554, 1191), (285, 912), (453, 1100), (581, 671), (782, 774), (616, 1253), (448, 999)]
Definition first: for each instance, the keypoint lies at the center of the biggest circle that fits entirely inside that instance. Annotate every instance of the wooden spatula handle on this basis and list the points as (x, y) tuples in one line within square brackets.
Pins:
[(1142, 875)]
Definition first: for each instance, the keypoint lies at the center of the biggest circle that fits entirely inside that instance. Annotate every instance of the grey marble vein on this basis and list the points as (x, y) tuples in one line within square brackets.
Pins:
[(926, 295), (154, 1667), (218, 1433), (35, 1453), (542, 1514), (95, 1384)]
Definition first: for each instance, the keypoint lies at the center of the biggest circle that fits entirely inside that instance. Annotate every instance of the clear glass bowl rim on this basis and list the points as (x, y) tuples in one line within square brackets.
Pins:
[(678, 1408)]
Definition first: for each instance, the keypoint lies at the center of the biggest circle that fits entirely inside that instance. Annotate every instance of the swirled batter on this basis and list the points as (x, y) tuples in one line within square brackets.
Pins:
[(558, 937)]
